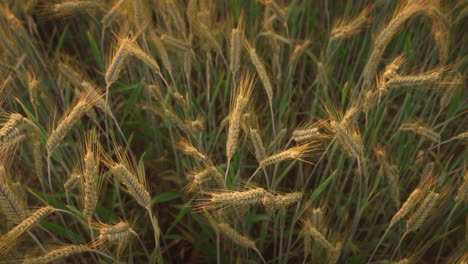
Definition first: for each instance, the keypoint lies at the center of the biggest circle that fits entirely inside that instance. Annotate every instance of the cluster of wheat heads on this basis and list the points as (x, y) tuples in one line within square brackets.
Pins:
[(204, 131)]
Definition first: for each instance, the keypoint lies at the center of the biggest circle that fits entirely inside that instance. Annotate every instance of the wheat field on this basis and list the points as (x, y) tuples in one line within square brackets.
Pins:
[(221, 131)]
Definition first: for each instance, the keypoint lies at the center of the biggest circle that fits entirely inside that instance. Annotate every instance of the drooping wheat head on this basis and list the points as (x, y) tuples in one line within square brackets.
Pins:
[(134, 187), (277, 202), (135, 50), (90, 176), (201, 178), (236, 46), (390, 171), (112, 13), (132, 176), (239, 104), (405, 11), (440, 29), (410, 203), (318, 237), (58, 254), (118, 235), (462, 193), (7, 240), (235, 236), (349, 138), (12, 205), (421, 129), (117, 62), (261, 70), (298, 152), (163, 54), (73, 113), (307, 132), (346, 28), (68, 8), (188, 148), (12, 130), (299, 50), (419, 216), (231, 202), (72, 182)]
